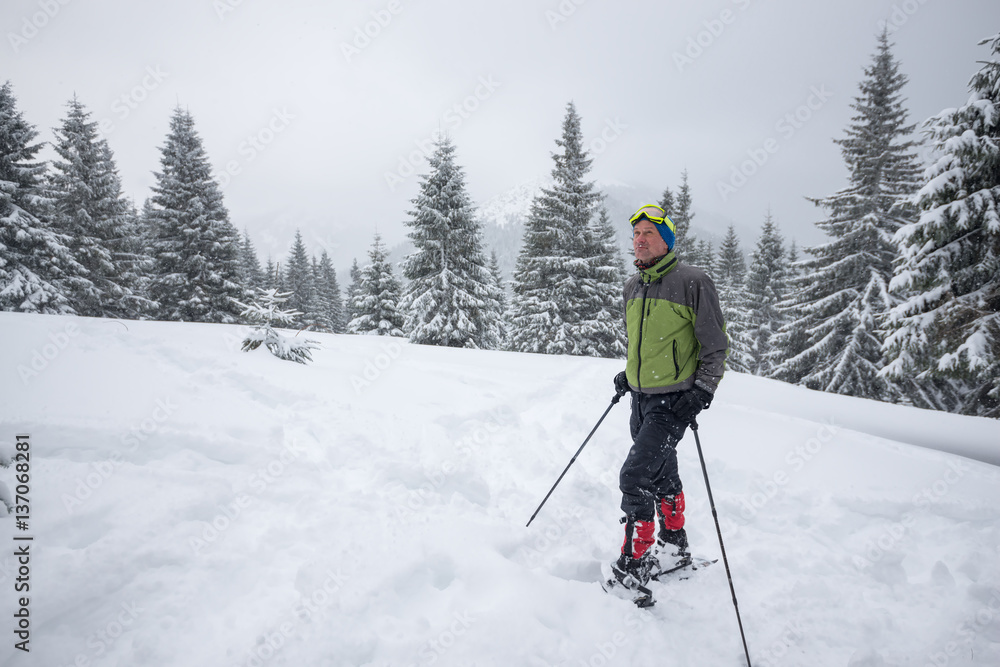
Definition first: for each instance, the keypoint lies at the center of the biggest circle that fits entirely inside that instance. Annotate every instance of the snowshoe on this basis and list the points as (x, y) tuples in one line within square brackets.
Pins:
[(685, 565), (669, 554), (633, 572), (627, 577)]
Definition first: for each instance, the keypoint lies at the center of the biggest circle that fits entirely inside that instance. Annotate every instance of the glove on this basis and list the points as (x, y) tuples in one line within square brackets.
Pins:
[(621, 384), (690, 403)]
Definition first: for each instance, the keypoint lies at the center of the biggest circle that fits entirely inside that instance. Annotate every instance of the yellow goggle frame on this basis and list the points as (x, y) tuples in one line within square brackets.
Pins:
[(641, 214)]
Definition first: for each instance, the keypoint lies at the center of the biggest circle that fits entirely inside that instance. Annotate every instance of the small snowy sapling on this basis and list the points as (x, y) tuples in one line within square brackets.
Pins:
[(266, 313)]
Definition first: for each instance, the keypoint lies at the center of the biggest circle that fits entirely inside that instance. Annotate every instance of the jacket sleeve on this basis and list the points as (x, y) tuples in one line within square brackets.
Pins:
[(710, 330), (626, 290), (625, 306)]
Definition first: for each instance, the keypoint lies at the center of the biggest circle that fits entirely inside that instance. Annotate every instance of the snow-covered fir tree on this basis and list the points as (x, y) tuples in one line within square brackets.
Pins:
[(450, 299), (498, 336), (554, 275), (730, 280), (667, 204), (270, 274), (947, 330), (731, 266), (265, 313), (280, 275), (138, 245), (144, 235), (251, 275), (794, 257), (35, 262), (683, 215), (329, 303), (700, 253), (300, 284), (376, 302), (196, 248), (766, 288), (321, 320), (351, 293), (842, 298), (99, 221), (602, 328)]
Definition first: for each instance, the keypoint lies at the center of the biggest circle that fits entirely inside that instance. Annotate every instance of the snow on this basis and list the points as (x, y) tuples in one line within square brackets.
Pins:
[(192, 504)]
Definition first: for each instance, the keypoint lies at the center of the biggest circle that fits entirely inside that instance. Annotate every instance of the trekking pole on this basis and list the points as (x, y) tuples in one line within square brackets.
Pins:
[(613, 401), (718, 530)]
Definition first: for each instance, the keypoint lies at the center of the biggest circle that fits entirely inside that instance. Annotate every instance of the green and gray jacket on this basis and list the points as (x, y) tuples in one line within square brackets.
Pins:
[(676, 334)]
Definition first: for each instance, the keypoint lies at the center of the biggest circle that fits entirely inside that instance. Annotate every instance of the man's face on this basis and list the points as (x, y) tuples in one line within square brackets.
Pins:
[(647, 242)]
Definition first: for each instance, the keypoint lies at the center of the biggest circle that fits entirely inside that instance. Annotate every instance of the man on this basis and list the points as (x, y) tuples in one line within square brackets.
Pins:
[(677, 347)]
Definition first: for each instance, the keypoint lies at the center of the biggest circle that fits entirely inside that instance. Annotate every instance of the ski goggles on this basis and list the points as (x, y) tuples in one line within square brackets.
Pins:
[(649, 212)]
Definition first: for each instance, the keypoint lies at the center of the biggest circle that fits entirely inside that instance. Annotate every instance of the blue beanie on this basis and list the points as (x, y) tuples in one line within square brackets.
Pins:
[(664, 225)]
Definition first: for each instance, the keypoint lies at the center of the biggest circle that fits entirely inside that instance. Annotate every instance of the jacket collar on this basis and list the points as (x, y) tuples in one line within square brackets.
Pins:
[(660, 269)]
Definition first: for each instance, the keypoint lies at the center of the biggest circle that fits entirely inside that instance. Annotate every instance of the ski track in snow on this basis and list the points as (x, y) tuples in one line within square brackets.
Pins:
[(192, 504)]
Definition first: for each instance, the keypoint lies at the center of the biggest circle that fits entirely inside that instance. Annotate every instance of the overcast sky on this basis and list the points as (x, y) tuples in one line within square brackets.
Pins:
[(312, 123)]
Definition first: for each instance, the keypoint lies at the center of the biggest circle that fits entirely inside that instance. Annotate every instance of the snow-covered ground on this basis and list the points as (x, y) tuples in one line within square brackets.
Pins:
[(192, 504)]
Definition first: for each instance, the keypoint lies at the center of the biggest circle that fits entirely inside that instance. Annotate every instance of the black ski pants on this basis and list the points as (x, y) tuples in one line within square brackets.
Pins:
[(650, 469)]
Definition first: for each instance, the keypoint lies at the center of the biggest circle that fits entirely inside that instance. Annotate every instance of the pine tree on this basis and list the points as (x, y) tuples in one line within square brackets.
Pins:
[(143, 236), (794, 270), (280, 275), (352, 292), (842, 299), (793, 253), (334, 296), (270, 274), (329, 302), (731, 266), (376, 301), (766, 288), (682, 214), (135, 260), (730, 280), (602, 329), (450, 298), (146, 221), (251, 275), (699, 253), (34, 260), (549, 290), (91, 210), (138, 261), (321, 319), (196, 247), (667, 203), (498, 335), (947, 330), (706, 257), (299, 282)]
